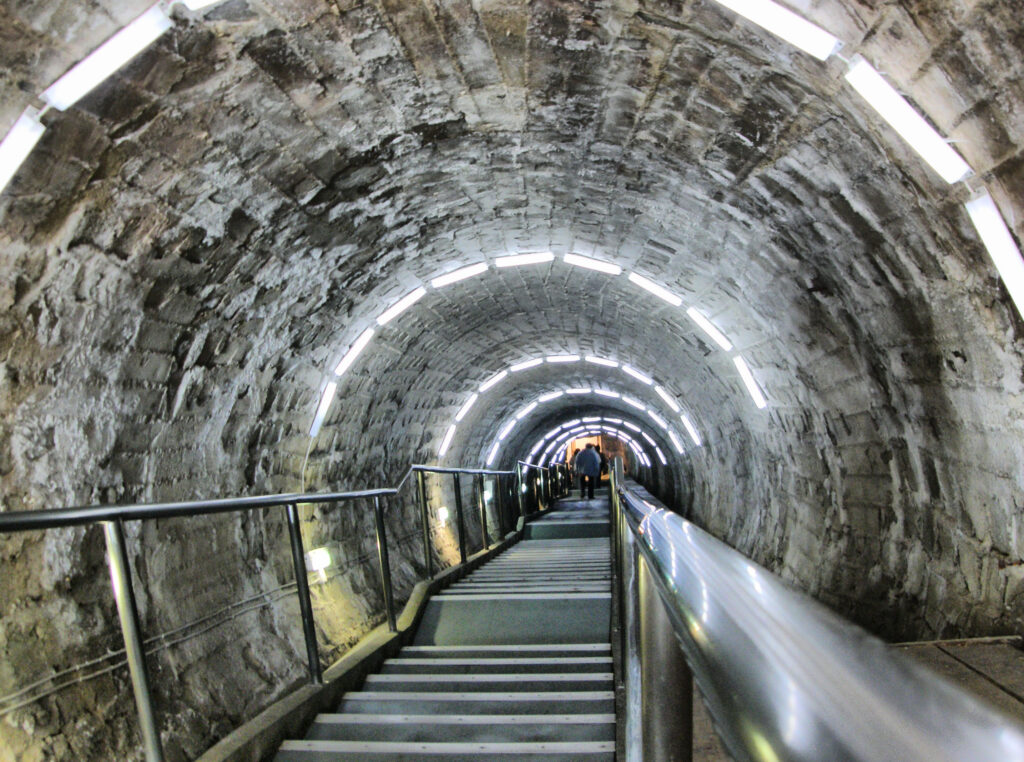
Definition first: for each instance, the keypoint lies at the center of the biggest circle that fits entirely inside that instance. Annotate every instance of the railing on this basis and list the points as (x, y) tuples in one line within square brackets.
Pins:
[(783, 677), (112, 517)]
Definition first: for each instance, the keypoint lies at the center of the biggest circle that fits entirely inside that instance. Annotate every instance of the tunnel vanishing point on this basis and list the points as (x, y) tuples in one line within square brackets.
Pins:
[(444, 211)]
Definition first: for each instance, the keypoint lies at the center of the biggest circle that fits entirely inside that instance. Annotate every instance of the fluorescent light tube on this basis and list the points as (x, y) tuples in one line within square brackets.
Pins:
[(563, 358), (659, 291), (591, 419), (606, 393), (601, 361), (717, 336), (465, 407), (579, 390), (750, 383), (634, 402), (592, 264), (661, 455), (999, 242), (911, 126), (658, 419), (493, 380), (647, 436), (691, 430), (614, 420), (637, 375), (550, 396), (632, 426), (526, 411), (675, 442), (783, 23), (526, 364), (107, 58), (401, 305), (669, 399), (350, 357), (493, 454), (456, 275), (507, 430), (321, 412), (198, 5), (19, 144), (516, 260), (570, 424), (446, 442)]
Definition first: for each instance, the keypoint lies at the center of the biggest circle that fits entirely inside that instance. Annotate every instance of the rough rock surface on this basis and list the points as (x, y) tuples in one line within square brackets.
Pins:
[(191, 248)]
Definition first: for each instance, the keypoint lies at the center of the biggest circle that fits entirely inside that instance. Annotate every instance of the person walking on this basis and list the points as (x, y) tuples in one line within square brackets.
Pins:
[(588, 465)]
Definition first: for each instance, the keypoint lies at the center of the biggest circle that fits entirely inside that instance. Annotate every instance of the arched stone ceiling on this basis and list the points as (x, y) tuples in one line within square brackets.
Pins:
[(191, 248)]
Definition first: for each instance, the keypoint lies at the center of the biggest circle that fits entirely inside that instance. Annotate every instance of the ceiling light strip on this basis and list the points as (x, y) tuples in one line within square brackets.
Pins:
[(323, 407), (783, 23), (18, 144), (748, 380), (996, 237)]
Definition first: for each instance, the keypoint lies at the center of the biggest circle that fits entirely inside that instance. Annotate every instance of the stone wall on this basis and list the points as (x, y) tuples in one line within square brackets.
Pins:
[(190, 250)]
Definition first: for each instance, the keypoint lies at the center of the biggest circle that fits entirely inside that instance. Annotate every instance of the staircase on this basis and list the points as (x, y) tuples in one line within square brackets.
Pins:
[(514, 661)]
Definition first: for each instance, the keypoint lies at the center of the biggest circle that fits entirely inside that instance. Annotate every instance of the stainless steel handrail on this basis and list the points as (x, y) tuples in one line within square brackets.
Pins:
[(787, 679), (112, 517)]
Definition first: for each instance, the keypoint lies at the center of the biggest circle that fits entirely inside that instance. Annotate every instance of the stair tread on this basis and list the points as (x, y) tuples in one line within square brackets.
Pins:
[(468, 719)]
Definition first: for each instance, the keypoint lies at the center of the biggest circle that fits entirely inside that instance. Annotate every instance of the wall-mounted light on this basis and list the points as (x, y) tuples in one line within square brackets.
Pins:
[(198, 5), (18, 144), (350, 357), (317, 560), (401, 305), (643, 379), (659, 291), (601, 361), (634, 402), (668, 398), (526, 364), (902, 117), (466, 406), (783, 23), (675, 442), (442, 515), (322, 408), (606, 393), (516, 260), (107, 58), (661, 455), (527, 410), (493, 454), (592, 264), (550, 396), (717, 336), (563, 358), (507, 430), (579, 390), (657, 419), (750, 383), (1000, 245), (691, 429), (446, 442), (493, 380), (456, 275)]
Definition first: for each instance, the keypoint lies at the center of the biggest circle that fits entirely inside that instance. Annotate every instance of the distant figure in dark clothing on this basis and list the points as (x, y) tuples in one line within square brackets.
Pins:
[(588, 465), (604, 460)]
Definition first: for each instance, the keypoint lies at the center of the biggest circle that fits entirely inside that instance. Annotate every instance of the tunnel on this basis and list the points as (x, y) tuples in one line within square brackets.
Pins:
[(444, 212)]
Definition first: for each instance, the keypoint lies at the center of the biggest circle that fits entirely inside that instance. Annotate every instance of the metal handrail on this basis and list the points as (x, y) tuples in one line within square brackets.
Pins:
[(112, 517), (785, 678)]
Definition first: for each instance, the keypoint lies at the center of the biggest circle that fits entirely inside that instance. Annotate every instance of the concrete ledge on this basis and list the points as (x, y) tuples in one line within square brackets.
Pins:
[(292, 715)]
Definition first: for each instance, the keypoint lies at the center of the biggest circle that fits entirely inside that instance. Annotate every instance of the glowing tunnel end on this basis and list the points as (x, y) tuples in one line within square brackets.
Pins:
[(782, 22), (748, 380), (323, 407), (996, 237), (910, 125), (353, 352), (107, 58), (446, 442)]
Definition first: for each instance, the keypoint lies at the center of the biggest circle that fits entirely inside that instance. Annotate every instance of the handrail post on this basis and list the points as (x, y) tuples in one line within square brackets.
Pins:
[(459, 523), (428, 556), (128, 613), (519, 490), (385, 563), (302, 588), (499, 506), (482, 505)]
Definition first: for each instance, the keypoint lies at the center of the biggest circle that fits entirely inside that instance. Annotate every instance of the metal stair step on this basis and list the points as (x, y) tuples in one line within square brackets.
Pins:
[(478, 665), (461, 683), (329, 751), (480, 728), (482, 702)]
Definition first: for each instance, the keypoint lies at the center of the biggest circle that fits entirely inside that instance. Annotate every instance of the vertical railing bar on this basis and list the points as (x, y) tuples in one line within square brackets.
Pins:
[(302, 588), (499, 505), (385, 563), (458, 518), (428, 555), (519, 490), (128, 613), (482, 506)]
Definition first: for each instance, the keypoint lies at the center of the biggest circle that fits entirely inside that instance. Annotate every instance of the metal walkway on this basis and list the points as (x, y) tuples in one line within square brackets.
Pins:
[(512, 661)]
